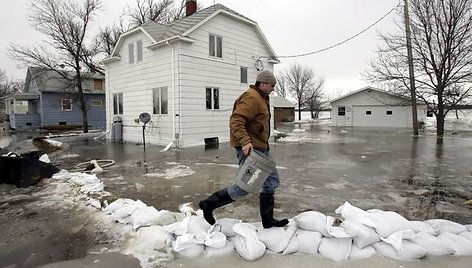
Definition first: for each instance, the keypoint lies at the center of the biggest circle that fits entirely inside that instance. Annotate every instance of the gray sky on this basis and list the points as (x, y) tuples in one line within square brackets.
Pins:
[(291, 27)]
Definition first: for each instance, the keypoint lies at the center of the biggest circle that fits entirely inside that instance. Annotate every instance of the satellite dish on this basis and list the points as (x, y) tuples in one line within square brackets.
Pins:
[(144, 117)]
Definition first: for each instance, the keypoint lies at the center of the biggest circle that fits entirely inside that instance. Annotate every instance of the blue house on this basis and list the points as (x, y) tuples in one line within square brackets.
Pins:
[(49, 101)]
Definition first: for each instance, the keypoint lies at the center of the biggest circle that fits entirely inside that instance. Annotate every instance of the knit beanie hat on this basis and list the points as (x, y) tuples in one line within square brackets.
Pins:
[(266, 77)]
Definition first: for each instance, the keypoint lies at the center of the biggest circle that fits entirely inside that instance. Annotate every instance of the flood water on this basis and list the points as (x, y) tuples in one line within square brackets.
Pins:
[(321, 167)]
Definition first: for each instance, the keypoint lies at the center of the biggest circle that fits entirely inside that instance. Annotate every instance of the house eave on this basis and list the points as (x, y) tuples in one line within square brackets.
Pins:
[(110, 59), (170, 40)]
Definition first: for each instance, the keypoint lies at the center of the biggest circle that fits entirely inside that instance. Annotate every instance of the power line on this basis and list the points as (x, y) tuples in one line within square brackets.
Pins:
[(346, 40)]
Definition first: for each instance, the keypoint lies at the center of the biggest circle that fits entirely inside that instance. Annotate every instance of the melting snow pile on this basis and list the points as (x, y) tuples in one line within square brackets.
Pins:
[(154, 236)]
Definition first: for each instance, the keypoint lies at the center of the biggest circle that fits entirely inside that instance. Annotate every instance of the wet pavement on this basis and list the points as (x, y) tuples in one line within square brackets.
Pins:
[(320, 168)]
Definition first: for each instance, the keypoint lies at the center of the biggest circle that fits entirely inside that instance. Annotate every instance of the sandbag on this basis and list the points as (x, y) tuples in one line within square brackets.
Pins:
[(215, 240), (388, 222), (423, 227), (276, 239), (411, 251), (217, 252), (312, 221), (336, 231), (361, 253), (396, 239), (368, 237), (467, 235), (433, 245), (246, 243), (335, 249), (225, 226), (446, 226), (303, 241), (149, 239), (349, 211), (198, 224), (461, 245), (178, 228), (188, 245)]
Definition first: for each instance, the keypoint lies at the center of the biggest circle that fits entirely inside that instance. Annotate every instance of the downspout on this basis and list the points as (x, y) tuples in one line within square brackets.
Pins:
[(173, 141)]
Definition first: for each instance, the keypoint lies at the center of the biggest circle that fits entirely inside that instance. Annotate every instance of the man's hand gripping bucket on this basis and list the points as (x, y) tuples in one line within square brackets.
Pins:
[(254, 171)]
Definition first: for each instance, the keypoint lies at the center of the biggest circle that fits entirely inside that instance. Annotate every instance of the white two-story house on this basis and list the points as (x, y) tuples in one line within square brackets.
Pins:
[(185, 75)]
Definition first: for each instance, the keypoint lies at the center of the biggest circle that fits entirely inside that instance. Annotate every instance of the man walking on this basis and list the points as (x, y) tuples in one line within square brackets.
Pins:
[(250, 130)]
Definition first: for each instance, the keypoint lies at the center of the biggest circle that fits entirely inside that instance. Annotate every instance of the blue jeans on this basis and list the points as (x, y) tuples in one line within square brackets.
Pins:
[(269, 186)]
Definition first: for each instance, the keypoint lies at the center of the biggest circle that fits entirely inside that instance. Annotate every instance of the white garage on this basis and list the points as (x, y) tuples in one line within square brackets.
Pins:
[(371, 107)]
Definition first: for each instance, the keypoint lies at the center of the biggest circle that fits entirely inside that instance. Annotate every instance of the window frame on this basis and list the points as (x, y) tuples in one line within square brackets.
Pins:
[(131, 53), (244, 75), (389, 112), (341, 110), (139, 50), (212, 98), (117, 103), (160, 100), (93, 103), (215, 46), (64, 104)]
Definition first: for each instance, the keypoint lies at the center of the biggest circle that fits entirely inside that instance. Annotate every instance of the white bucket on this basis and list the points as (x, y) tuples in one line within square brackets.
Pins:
[(254, 171)]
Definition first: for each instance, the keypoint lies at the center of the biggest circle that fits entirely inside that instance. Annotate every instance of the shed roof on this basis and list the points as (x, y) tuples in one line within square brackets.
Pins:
[(281, 102), (366, 89)]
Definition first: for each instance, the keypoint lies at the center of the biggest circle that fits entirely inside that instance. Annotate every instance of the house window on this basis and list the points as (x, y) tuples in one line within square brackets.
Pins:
[(429, 113), (212, 98), (139, 50), (66, 104), (342, 110), (160, 100), (118, 103), (368, 112), (98, 84), (244, 75), (96, 103), (216, 46), (389, 113), (131, 53)]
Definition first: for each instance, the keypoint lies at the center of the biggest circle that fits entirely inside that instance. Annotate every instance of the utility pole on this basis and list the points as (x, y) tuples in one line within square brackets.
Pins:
[(411, 70)]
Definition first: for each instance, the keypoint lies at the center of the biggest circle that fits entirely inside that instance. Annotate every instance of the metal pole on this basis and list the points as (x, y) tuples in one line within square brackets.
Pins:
[(411, 70)]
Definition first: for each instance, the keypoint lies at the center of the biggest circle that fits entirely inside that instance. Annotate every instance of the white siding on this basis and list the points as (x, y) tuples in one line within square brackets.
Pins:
[(377, 103), (194, 70), (198, 70), (136, 82)]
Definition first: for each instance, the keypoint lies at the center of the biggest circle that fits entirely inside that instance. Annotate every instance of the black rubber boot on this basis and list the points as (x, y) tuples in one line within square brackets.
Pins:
[(267, 212), (214, 201)]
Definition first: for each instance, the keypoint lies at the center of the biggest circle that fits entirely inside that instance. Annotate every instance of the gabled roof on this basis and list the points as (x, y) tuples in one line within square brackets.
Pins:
[(281, 102), (159, 33), (366, 89), (51, 81)]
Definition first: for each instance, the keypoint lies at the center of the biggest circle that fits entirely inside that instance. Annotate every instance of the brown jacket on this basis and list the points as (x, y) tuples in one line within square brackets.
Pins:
[(250, 120)]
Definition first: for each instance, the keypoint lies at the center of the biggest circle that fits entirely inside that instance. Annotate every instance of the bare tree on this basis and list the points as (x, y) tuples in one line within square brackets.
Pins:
[(161, 11), (303, 84), (66, 25), (442, 56), (281, 86), (7, 88)]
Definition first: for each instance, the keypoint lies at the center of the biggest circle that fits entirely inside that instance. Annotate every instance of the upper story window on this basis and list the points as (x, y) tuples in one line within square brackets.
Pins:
[(98, 84), (212, 98), (342, 110), (138, 54), (131, 53), (215, 46), (160, 100), (66, 104), (243, 75), (139, 50), (118, 103)]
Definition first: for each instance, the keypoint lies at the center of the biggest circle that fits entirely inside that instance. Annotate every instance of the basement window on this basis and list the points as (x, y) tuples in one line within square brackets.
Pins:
[(211, 143), (368, 112), (389, 112)]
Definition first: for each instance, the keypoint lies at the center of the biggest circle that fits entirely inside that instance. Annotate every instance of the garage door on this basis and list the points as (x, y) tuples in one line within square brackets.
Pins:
[(381, 116)]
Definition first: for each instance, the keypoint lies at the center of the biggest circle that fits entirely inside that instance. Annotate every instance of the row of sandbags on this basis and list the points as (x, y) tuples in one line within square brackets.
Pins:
[(355, 234)]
